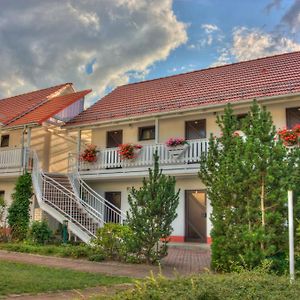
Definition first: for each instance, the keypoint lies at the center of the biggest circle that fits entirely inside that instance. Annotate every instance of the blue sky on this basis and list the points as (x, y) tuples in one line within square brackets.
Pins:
[(101, 44), (225, 15)]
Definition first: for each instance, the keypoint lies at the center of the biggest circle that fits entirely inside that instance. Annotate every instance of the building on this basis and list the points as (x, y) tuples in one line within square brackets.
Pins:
[(149, 113)]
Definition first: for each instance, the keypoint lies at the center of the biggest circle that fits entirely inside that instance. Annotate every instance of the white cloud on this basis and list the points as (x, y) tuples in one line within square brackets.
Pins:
[(254, 43), (210, 34), (51, 41), (209, 28)]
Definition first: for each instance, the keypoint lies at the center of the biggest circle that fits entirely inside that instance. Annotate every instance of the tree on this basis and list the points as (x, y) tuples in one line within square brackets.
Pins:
[(246, 181), (18, 212), (152, 211)]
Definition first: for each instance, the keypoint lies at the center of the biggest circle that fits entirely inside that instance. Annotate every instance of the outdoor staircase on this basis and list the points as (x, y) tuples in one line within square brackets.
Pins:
[(67, 202), (66, 197)]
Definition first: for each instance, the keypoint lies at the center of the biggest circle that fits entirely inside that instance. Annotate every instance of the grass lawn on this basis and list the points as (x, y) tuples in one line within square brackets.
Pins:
[(18, 278)]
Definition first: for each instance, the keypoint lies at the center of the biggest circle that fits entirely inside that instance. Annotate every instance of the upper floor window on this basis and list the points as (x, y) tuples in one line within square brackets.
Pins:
[(147, 133), (195, 129), (292, 116), (4, 140), (2, 193)]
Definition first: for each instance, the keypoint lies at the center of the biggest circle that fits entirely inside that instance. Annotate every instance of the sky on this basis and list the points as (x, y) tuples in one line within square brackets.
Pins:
[(101, 44)]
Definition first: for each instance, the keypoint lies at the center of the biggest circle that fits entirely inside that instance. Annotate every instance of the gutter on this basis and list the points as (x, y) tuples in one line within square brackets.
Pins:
[(170, 114)]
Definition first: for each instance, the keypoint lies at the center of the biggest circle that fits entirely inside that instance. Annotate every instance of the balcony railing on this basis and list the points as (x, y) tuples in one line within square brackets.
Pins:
[(12, 160), (109, 160)]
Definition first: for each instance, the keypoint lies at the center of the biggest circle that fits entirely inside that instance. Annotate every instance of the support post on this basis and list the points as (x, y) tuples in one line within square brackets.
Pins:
[(291, 235), (78, 148), (156, 130)]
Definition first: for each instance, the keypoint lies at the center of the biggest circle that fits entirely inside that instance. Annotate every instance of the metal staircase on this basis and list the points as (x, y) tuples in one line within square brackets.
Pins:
[(68, 197)]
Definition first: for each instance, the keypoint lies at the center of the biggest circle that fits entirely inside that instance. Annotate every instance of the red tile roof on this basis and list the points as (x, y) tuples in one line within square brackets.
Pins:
[(11, 108), (50, 108), (269, 76)]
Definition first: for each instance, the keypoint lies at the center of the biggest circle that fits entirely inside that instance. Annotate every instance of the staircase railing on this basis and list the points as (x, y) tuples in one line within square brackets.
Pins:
[(94, 200), (46, 188)]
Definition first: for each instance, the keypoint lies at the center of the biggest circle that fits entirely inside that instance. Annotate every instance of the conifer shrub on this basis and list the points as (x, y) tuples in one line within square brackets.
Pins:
[(151, 213), (19, 211)]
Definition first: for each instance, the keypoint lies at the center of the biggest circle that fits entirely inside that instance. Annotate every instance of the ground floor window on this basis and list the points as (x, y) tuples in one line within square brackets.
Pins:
[(195, 216)]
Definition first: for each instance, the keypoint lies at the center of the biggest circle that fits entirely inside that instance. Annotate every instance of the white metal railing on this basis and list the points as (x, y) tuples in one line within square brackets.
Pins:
[(82, 206), (91, 199), (11, 158), (51, 192), (109, 158)]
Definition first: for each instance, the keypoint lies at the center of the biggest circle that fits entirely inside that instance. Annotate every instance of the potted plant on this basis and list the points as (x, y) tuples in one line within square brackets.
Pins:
[(290, 137), (176, 146), (129, 151), (89, 154)]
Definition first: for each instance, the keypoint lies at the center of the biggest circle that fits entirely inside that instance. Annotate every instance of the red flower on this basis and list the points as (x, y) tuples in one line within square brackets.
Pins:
[(127, 151), (89, 154)]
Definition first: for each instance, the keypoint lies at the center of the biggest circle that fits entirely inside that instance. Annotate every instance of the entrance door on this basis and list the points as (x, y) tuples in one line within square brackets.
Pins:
[(114, 199), (195, 216), (114, 138)]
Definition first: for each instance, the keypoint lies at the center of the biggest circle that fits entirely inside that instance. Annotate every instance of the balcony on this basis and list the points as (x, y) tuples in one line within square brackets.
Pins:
[(12, 161), (109, 163)]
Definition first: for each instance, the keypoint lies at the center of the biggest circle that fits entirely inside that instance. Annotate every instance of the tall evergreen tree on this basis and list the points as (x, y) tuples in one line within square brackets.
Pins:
[(152, 211), (246, 179)]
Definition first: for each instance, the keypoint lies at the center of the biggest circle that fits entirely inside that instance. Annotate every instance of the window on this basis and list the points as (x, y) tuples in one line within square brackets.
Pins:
[(4, 140), (195, 129), (292, 116), (2, 194), (146, 133), (114, 138), (240, 119)]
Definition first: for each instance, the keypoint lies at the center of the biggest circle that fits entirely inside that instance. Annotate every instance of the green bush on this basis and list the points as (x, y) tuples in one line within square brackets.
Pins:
[(39, 232), (235, 286), (18, 212), (115, 240), (72, 251)]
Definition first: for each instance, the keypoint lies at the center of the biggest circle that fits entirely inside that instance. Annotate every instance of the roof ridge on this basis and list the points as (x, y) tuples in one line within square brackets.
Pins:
[(51, 87), (210, 68)]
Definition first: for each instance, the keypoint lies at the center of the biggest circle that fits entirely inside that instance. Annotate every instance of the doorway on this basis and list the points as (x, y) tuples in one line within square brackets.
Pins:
[(195, 216), (114, 200)]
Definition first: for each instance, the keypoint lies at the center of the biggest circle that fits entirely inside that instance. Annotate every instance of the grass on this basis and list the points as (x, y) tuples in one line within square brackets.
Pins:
[(19, 278)]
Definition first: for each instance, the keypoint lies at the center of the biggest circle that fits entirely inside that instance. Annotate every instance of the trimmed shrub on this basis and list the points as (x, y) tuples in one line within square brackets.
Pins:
[(39, 232), (115, 240), (235, 286)]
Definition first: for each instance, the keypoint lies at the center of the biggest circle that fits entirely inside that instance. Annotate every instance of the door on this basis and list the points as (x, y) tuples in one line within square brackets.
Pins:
[(114, 200), (195, 216), (114, 138), (195, 129)]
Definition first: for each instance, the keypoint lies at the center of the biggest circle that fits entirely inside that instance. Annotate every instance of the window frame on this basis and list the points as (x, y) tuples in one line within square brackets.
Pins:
[(1, 141), (203, 121), (140, 133), (288, 121)]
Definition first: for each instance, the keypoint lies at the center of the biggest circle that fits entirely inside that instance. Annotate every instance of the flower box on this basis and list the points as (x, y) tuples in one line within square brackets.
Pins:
[(177, 151), (129, 151)]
